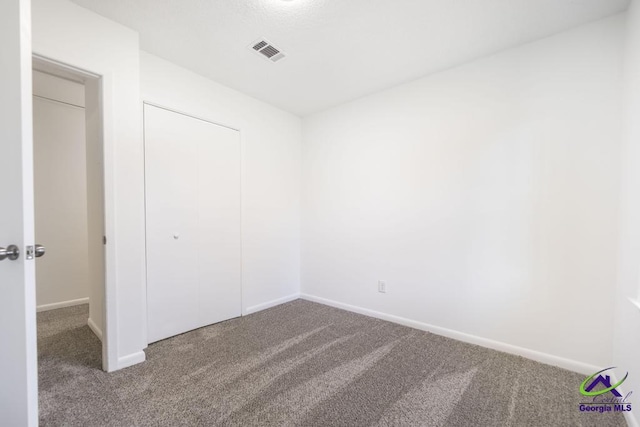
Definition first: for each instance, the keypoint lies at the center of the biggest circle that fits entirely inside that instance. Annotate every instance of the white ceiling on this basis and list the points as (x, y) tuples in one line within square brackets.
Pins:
[(338, 50)]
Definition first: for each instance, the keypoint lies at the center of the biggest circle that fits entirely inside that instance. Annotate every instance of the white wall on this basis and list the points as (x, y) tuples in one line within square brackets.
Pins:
[(73, 35), (627, 323), (485, 196), (60, 187), (270, 141)]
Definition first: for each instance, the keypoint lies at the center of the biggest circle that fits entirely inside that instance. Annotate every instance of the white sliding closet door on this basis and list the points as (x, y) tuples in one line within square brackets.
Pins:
[(192, 170)]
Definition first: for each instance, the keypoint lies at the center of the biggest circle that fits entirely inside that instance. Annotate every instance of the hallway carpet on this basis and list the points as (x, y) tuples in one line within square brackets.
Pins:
[(300, 364)]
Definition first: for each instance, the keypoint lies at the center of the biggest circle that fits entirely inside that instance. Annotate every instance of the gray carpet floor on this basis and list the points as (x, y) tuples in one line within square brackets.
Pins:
[(300, 364)]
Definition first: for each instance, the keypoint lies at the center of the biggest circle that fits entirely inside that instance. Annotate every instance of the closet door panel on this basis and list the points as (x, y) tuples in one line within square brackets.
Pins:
[(219, 207), (193, 223), (172, 224)]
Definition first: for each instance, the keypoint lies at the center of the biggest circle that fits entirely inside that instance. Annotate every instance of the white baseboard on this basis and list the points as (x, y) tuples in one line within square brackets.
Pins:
[(269, 304), (631, 419), (63, 304), (94, 328), (131, 359), (628, 416), (549, 359)]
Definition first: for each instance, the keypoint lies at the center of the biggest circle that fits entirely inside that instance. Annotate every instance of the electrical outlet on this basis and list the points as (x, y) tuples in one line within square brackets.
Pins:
[(382, 287)]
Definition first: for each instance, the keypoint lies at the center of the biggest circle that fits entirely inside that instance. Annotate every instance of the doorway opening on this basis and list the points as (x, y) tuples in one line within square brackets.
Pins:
[(69, 215)]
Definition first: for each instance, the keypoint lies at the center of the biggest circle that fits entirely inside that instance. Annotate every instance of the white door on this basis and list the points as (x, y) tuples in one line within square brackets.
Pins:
[(18, 357), (192, 176)]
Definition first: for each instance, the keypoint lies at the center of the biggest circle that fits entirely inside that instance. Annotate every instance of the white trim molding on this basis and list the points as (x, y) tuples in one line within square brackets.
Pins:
[(631, 419), (131, 359), (96, 330), (62, 304), (549, 359), (628, 416), (269, 304), (635, 302)]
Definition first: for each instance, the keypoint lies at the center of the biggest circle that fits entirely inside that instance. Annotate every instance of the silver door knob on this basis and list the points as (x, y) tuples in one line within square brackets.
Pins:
[(40, 250), (12, 252)]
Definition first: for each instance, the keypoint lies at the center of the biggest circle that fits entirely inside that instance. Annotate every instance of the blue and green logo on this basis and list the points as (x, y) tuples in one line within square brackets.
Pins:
[(597, 387), (587, 390)]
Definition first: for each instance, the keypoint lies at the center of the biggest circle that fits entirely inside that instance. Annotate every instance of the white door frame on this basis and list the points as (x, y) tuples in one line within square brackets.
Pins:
[(109, 331)]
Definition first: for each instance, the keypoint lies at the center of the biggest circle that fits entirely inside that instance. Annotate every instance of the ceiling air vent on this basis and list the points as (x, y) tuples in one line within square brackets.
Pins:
[(267, 50)]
